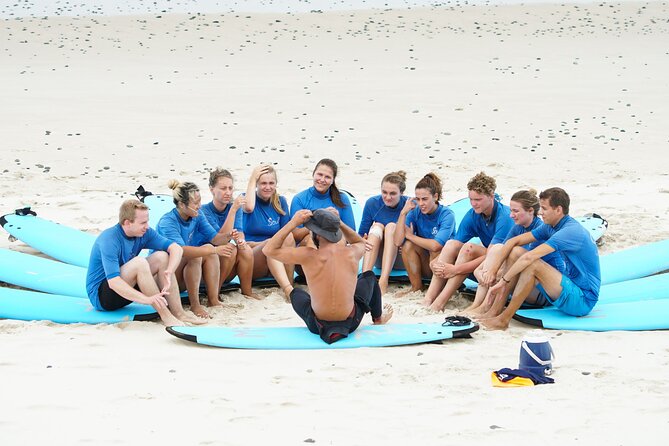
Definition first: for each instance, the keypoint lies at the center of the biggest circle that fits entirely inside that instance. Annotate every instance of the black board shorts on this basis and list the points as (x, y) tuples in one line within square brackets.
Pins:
[(110, 300)]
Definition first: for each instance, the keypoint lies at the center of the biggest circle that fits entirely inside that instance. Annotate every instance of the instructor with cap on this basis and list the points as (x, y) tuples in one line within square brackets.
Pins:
[(338, 300)]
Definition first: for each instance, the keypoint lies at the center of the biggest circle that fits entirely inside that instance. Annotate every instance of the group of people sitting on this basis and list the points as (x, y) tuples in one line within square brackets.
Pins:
[(544, 261)]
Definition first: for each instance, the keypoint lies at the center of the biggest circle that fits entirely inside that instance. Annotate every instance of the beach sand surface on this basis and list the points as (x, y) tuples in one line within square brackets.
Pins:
[(546, 95)]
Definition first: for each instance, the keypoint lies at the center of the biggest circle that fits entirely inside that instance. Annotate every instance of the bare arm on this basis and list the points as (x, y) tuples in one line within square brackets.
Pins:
[(426, 243), (526, 259), (289, 255), (356, 242), (400, 227), (225, 233), (259, 171)]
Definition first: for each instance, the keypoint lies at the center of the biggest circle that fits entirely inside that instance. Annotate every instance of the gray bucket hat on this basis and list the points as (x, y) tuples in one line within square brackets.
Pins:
[(325, 224)]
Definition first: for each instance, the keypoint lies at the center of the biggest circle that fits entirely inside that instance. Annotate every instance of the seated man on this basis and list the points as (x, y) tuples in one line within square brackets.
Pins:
[(574, 292), (338, 301), (489, 220), (117, 277)]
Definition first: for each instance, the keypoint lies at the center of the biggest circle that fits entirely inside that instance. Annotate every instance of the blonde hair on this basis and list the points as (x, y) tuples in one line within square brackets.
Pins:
[(182, 192), (128, 210), (274, 199)]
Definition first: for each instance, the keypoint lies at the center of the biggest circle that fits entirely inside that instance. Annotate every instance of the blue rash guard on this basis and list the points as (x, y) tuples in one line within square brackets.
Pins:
[(312, 199), (491, 231), (554, 259), (375, 211), (265, 221), (111, 250), (579, 252), (192, 232), (439, 225), (216, 219)]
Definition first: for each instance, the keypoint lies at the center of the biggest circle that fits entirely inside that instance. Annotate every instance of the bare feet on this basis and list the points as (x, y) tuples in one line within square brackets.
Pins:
[(194, 320), (199, 311), (169, 320), (253, 295), (216, 303), (403, 293), (385, 316), (495, 323)]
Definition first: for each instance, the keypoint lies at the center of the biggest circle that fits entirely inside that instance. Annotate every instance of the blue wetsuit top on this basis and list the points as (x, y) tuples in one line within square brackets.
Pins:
[(439, 225), (111, 250), (572, 241), (491, 231), (375, 211), (192, 232), (312, 199), (216, 219), (554, 259), (265, 221)]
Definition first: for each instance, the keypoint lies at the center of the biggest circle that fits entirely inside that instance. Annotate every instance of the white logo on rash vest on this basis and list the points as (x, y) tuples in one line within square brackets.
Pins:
[(272, 222), (435, 231)]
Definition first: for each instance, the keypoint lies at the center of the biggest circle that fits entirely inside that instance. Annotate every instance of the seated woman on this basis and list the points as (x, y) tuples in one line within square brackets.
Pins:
[(379, 219), (423, 227), (221, 213), (186, 226), (323, 194), (265, 212), (524, 206)]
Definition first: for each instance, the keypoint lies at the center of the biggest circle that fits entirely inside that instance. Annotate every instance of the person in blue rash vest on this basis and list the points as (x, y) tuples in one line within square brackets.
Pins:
[(574, 292), (224, 215), (323, 194), (524, 207), (424, 226), (265, 212), (116, 276), (188, 227), (488, 220), (378, 223)]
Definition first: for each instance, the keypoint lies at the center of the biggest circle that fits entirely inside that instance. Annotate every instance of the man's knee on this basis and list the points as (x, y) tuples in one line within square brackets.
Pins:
[(467, 252), (516, 253), (389, 230)]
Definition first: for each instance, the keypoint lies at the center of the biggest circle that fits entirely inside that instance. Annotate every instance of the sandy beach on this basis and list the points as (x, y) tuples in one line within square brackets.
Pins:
[(540, 95)]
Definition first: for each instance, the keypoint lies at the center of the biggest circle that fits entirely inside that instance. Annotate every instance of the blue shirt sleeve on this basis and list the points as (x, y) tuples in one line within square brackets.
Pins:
[(156, 241), (169, 228), (366, 220), (466, 229), (503, 224), (346, 214), (204, 229), (296, 204)]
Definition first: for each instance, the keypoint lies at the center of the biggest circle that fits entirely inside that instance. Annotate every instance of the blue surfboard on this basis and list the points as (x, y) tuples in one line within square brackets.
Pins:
[(627, 316), (300, 338), (33, 306), (55, 240), (37, 273)]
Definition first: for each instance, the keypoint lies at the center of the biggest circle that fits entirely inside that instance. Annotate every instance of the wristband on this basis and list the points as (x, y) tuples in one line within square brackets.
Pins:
[(507, 281)]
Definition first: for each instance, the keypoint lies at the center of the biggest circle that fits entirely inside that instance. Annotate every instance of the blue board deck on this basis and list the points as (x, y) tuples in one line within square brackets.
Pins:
[(37, 273), (33, 306), (299, 338), (627, 316)]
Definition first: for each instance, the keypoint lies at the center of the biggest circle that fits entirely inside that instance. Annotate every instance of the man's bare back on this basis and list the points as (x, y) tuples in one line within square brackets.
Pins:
[(332, 273)]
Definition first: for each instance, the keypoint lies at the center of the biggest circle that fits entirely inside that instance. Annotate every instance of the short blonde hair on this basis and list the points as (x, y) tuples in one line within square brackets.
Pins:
[(128, 210)]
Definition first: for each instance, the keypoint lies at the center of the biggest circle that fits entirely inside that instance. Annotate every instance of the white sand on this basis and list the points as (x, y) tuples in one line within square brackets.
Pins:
[(544, 95)]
